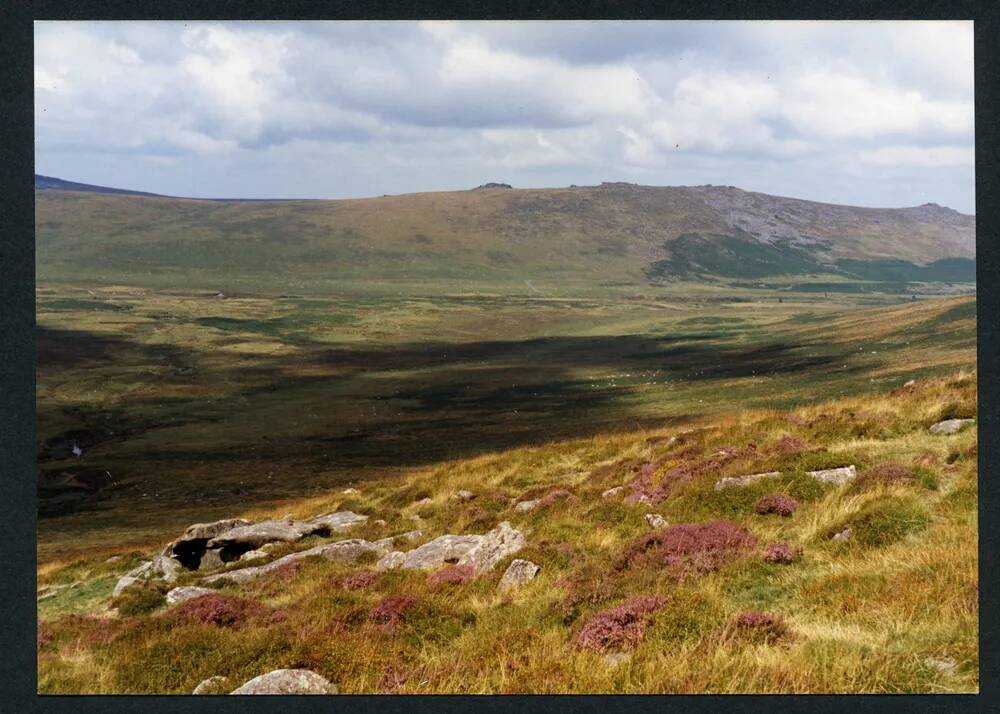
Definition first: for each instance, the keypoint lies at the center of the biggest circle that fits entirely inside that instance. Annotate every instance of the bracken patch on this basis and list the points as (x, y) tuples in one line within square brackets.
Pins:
[(619, 628)]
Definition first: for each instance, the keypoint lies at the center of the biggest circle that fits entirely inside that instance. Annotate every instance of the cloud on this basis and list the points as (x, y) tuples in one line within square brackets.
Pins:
[(434, 105)]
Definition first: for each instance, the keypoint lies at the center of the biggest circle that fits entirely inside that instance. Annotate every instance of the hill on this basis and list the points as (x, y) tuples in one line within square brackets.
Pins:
[(583, 238), (50, 183)]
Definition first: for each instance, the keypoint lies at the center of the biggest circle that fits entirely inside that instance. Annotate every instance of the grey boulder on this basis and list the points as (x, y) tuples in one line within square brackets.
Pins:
[(343, 550), (212, 685), (837, 476), (518, 573), (493, 547), (287, 681), (950, 426), (178, 595), (739, 481)]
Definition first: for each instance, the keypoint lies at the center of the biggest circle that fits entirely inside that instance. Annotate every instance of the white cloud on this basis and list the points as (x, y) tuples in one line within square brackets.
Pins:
[(929, 156)]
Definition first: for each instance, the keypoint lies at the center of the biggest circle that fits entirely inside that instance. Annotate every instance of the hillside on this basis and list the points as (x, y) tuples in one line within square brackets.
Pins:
[(643, 566), (492, 238)]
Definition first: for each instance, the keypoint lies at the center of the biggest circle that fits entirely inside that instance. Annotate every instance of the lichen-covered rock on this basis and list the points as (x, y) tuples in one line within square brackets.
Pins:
[(343, 550), (287, 681), (613, 492), (655, 520), (123, 584), (518, 573), (212, 685), (234, 542), (391, 561), (253, 555), (493, 547), (837, 476), (950, 426), (844, 535), (526, 506), (463, 495), (739, 481), (443, 549), (188, 592)]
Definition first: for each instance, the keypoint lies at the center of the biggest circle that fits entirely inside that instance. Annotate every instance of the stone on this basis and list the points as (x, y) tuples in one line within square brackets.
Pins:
[(443, 549), (613, 492), (187, 592), (234, 542), (910, 383), (616, 659), (739, 481), (253, 555), (844, 535), (526, 506), (390, 542), (160, 567), (944, 664), (287, 681), (123, 584), (190, 546), (212, 685), (518, 573), (463, 495), (950, 426), (212, 560), (336, 522), (423, 502), (350, 492), (391, 561), (655, 520), (343, 550), (493, 547), (836, 476)]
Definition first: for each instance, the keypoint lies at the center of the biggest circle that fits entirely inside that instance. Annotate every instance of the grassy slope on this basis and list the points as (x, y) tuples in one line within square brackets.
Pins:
[(865, 615), (573, 239)]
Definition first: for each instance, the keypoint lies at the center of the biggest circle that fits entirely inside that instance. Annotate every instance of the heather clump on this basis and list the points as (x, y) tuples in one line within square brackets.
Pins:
[(355, 581), (391, 611), (884, 474), (220, 610), (621, 627), (642, 489), (789, 445), (760, 627), (554, 495), (451, 575), (777, 503), (702, 547), (779, 553)]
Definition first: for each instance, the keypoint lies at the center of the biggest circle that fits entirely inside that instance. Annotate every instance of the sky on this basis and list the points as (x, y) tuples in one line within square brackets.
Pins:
[(862, 113)]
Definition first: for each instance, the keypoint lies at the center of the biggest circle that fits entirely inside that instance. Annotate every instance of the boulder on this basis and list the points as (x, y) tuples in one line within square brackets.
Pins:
[(739, 481), (188, 592), (517, 574), (123, 584), (837, 476), (946, 665), (423, 502), (526, 506), (212, 685), (391, 561), (390, 542), (655, 520), (950, 426), (212, 560), (463, 496), (493, 547), (843, 535), (190, 546), (350, 492), (613, 492), (236, 541), (443, 549), (159, 568), (253, 555), (287, 681), (343, 550)]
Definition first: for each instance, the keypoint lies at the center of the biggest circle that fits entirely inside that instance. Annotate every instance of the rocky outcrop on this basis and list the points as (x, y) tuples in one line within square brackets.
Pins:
[(526, 506), (518, 573), (344, 550), (836, 476), (655, 520), (188, 592), (190, 547), (950, 426), (287, 681), (739, 481), (212, 685), (482, 552)]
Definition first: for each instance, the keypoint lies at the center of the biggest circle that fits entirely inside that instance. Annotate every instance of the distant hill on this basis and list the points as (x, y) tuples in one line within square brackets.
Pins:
[(50, 183), (615, 233)]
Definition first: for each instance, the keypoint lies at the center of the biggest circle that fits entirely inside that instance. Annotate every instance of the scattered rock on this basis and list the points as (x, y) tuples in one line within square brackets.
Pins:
[(379, 522), (287, 681), (493, 547), (655, 520), (343, 550), (190, 547), (843, 535), (113, 559), (187, 592), (159, 568), (836, 476), (616, 659), (740, 481), (950, 426), (391, 561), (463, 496), (253, 555), (944, 664), (350, 492), (212, 559), (526, 506), (443, 549), (234, 542), (423, 502), (123, 584), (390, 542), (212, 685), (910, 383), (613, 492), (517, 574)]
